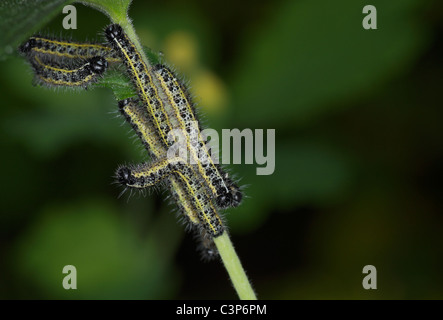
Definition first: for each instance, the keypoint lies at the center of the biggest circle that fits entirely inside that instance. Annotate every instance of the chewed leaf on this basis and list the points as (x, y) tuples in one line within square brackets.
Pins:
[(119, 83)]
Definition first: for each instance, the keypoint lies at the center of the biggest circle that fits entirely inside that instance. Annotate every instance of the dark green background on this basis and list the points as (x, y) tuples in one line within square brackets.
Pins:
[(358, 179)]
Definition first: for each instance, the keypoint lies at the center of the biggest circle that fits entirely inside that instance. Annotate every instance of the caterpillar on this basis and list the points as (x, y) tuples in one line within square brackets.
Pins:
[(56, 74), (142, 80), (226, 191), (149, 174), (193, 201), (55, 48), (141, 124)]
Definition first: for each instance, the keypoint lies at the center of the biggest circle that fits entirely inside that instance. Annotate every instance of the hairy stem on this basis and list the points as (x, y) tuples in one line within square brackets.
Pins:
[(233, 266)]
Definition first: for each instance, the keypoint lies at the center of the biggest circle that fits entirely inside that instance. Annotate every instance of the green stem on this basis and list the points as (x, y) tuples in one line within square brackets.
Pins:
[(117, 11), (233, 266)]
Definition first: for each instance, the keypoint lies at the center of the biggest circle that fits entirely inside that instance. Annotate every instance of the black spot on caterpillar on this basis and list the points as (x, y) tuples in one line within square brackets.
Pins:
[(140, 122)]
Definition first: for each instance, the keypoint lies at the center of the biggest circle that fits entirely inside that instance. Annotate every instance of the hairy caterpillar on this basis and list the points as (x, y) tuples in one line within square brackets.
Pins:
[(137, 117), (56, 74), (226, 191), (67, 49), (149, 174), (141, 78), (186, 185)]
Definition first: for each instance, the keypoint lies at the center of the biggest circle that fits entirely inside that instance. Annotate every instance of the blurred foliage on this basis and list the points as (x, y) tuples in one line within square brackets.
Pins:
[(22, 18), (359, 149)]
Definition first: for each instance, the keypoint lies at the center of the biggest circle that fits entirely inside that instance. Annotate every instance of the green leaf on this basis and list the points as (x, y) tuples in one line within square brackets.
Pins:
[(152, 56), (119, 83), (115, 9), (19, 19)]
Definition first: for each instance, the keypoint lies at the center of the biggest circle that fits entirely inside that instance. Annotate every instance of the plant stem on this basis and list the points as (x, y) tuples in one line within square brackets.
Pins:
[(233, 266)]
